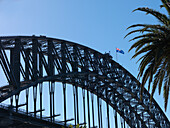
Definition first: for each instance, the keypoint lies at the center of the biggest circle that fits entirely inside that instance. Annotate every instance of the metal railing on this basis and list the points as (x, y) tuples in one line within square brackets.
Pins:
[(23, 112)]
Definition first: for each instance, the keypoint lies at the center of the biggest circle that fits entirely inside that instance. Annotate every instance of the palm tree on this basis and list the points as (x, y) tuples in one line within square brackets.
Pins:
[(153, 44)]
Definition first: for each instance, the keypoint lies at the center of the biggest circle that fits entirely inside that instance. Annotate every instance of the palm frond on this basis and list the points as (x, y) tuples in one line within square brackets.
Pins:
[(143, 65), (153, 91), (141, 42), (149, 35), (166, 4), (144, 79), (151, 27), (143, 50), (139, 30), (161, 17), (166, 93), (153, 44)]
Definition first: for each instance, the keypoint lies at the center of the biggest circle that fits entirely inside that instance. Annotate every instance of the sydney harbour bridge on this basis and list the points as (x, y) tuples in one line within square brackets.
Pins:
[(102, 94)]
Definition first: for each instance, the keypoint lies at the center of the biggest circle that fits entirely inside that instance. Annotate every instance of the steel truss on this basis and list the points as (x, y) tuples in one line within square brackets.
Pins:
[(80, 66)]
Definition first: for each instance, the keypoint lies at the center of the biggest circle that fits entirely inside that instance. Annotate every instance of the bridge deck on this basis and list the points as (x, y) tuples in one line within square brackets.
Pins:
[(10, 118)]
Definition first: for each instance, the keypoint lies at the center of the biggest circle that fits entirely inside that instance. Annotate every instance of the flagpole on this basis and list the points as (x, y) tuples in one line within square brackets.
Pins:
[(116, 55)]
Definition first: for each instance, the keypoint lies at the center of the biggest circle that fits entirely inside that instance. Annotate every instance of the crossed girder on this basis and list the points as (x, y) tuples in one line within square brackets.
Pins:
[(40, 59)]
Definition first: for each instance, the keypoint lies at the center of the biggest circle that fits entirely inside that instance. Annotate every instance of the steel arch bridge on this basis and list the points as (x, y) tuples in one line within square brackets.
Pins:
[(30, 61)]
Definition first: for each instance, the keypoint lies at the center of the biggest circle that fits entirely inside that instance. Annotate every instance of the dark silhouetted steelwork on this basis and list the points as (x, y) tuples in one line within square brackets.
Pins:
[(82, 67)]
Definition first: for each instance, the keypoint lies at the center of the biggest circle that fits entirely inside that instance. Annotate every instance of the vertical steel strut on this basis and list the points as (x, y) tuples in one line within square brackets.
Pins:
[(88, 105), (40, 84), (35, 71), (27, 95), (11, 100), (53, 90), (92, 99), (16, 62), (35, 99), (84, 107), (27, 77), (50, 93), (98, 106), (64, 93), (101, 117), (74, 95), (108, 119), (116, 125), (40, 89), (121, 122), (16, 101), (77, 101), (63, 58), (75, 69)]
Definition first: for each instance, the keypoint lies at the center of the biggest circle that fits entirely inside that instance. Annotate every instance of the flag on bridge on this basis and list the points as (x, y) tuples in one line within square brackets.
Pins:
[(120, 51)]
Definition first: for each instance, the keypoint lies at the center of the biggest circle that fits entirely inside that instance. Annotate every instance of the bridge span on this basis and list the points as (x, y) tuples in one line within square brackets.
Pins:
[(100, 89)]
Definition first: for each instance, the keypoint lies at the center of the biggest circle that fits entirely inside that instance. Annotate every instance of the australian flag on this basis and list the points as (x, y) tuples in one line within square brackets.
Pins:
[(120, 51)]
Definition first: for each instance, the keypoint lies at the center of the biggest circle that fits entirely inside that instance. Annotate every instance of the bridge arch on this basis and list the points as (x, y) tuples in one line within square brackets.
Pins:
[(56, 60)]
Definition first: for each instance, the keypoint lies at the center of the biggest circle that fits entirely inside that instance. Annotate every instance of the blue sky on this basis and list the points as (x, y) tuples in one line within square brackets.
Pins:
[(98, 24)]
